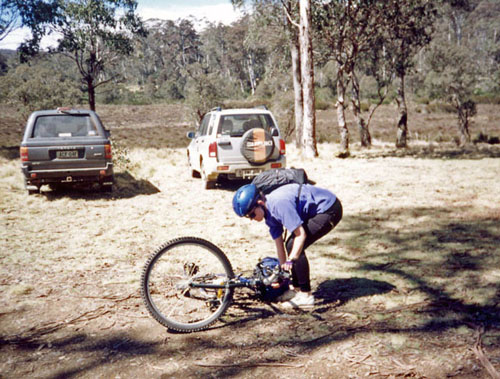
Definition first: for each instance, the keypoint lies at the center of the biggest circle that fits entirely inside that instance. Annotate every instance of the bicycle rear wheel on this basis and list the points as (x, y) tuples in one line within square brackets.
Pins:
[(173, 283)]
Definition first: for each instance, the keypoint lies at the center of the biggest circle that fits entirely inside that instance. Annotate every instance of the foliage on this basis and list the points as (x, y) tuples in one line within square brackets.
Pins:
[(94, 35), (39, 86), (371, 42), (453, 82), (36, 15), (203, 91)]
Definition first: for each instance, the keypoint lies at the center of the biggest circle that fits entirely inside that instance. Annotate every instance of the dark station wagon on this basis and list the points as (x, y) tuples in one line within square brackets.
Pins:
[(66, 146)]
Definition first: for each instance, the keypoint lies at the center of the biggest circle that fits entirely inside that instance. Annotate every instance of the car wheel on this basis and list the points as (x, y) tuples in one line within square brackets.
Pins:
[(106, 188), (207, 184), (257, 146), (194, 173), (34, 191)]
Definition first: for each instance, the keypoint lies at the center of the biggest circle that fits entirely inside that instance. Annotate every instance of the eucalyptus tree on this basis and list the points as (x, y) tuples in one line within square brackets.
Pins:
[(36, 15), (8, 18), (96, 34), (376, 64), (411, 28), (349, 28), (236, 53), (297, 21), (307, 77), (453, 77)]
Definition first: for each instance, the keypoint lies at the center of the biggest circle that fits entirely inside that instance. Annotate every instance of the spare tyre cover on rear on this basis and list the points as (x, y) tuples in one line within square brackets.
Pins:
[(257, 146)]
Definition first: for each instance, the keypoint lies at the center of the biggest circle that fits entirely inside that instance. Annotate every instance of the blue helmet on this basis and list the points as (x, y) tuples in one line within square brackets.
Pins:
[(245, 199)]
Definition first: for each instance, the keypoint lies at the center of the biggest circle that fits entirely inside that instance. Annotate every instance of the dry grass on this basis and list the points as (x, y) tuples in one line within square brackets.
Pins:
[(404, 283)]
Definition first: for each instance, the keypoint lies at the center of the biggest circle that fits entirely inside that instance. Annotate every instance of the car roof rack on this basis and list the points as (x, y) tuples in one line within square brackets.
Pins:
[(218, 109), (262, 106)]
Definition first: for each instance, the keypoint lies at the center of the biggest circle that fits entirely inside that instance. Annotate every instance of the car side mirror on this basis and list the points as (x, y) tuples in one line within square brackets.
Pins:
[(190, 135), (107, 132), (274, 132)]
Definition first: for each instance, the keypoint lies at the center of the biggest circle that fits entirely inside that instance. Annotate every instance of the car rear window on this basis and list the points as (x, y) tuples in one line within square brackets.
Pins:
[(64, 126), (237, 125)]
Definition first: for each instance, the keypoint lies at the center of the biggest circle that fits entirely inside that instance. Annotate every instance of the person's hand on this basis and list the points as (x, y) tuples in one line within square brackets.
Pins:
[(287, 266)]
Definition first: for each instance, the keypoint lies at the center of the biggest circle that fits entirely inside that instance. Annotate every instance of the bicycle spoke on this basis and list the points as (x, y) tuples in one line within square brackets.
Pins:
[(167, 288)]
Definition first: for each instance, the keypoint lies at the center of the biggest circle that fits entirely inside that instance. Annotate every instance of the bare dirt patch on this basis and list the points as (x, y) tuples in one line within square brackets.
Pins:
[(407, 284)]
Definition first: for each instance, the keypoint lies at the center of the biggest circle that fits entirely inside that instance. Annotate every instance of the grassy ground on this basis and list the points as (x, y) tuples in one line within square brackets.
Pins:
[(407, 284)]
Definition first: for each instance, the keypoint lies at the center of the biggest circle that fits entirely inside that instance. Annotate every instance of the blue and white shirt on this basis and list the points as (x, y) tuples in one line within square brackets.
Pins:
[(283, 210)]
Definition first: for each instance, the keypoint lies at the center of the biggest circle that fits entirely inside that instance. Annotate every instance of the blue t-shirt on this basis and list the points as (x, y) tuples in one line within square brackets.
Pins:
[(283, 210)]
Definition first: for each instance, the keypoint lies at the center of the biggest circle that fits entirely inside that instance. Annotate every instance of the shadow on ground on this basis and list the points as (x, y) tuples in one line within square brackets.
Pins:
[(434, 151), (340, 291), (125, 187), (451, 252)]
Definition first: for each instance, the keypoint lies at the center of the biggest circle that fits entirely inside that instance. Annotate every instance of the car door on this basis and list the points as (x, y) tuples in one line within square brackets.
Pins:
[(201, 142)]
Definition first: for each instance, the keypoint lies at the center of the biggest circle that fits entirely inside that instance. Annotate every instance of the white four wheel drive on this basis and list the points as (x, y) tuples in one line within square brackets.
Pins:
[(235, 144)]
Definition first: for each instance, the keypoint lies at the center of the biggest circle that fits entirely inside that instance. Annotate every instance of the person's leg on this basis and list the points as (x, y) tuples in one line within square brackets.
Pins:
[(300, 270), (315, 228)]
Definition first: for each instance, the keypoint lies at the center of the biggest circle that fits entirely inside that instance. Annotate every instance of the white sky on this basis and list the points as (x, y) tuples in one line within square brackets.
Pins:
[(211, 10)]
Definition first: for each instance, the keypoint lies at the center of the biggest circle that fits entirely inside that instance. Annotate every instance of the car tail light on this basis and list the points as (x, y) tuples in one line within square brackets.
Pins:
[(23, 152), (107, 151), (275, 165), (212, 150), (282, 147)]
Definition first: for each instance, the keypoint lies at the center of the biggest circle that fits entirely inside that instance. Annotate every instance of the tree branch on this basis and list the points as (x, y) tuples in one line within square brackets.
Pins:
[(288, 16)]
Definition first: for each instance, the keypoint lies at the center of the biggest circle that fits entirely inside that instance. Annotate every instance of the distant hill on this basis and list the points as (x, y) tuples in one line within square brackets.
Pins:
[(8, 52)]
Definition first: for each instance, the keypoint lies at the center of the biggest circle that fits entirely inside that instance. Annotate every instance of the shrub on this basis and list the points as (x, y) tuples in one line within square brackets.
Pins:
[(485, 138), (440, 108)]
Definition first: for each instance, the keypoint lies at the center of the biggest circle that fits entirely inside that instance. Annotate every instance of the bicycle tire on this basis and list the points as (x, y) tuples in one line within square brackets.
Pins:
[(166, 279)]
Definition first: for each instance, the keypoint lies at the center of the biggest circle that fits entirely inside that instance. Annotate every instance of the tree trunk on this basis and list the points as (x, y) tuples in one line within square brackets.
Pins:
[(402, 132), (307, 72), (297, 89), (344, 132), (251, 73), (463, 127), (364, 133), (91, 91), (465, 110)]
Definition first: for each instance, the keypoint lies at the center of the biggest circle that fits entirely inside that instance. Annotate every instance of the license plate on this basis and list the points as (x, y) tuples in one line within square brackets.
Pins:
[(67, 154), (250, 173)]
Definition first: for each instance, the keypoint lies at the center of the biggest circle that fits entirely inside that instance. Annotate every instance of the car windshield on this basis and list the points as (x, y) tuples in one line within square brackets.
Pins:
[(66, 125), (236, 125)]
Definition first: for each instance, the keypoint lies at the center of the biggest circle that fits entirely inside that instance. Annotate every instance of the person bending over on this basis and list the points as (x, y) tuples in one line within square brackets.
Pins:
[(308, 213)]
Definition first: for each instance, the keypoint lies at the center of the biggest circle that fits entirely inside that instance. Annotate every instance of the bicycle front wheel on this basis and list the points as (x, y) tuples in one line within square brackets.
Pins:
[(184, 284)]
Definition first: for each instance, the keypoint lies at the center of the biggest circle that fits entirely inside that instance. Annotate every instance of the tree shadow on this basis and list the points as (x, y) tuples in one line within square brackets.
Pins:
[(340, 291), (434, 151), (98, 350), (444, 259), (9, 152), (447, 247)]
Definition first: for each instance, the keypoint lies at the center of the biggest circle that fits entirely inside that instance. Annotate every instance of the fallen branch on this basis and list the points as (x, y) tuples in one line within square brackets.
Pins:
[(406, 307), (478, 350), (247, 365)]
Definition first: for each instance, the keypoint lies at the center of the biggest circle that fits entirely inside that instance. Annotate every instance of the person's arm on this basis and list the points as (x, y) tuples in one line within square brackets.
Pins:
[(280, 249), (298, 244)]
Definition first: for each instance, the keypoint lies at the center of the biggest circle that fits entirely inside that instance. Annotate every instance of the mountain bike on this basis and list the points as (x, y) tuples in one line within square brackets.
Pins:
[(187, 283)]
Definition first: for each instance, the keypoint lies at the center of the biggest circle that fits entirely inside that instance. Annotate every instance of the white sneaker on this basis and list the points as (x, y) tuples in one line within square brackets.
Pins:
[(300, 300), (287, 295)]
